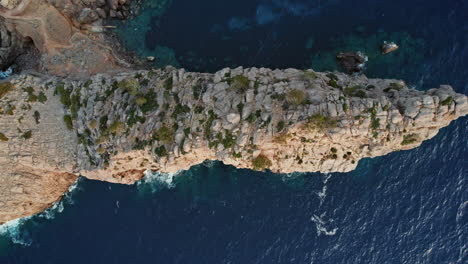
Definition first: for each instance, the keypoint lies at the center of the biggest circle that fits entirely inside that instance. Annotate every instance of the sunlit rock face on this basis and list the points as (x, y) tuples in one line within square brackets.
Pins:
[(116, 127)]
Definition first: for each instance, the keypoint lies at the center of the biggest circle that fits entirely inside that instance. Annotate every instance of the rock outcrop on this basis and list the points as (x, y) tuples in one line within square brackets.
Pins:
[(68, 35), (115, 127)]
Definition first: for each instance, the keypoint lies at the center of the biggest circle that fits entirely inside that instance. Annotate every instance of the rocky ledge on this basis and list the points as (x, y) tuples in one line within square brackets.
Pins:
[(115, 127)]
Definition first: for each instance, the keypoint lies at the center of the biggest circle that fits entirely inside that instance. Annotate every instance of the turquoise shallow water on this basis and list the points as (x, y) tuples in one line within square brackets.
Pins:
[(406, 207)]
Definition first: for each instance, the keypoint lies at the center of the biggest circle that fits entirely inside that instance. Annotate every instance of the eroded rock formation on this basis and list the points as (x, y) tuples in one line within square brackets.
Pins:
[(114, 127)]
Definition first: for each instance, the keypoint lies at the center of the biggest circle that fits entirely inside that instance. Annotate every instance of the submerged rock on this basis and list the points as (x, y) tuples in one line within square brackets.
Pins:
[(388, 47), (352, 61)]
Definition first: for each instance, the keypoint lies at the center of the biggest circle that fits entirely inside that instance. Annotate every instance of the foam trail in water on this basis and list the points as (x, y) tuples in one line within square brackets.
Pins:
[(320, 224)]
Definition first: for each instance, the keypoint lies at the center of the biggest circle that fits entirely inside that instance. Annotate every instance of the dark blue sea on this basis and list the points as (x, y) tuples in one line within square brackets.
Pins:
[(406, 207)]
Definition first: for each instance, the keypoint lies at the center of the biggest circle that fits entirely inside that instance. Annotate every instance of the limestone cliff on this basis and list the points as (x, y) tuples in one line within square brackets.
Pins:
[(114, 127)]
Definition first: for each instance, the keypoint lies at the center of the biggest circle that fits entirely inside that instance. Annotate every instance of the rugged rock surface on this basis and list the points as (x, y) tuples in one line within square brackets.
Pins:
[(114, 127), (11, 45), (67, 34)]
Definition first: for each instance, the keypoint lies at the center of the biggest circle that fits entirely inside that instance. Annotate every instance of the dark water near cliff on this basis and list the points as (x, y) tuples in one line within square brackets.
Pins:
[(406, 207)]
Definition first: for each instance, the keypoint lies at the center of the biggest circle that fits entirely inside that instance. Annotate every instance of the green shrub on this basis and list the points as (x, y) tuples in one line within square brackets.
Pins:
[(164, 134), (409, 139), (3, 137), (31, 96), (393, 86), (168, 83), (198, 91), (151, 103), (240, 107), (42, 98), (180, 109), (37, 116), (345, 107), (5, 88), (261, 162), (93, 124), (333, 150), (199, 109), (448, 101), (117, 128), (160, 151), (354, 91), (209, 122), (140, 101), (280, 126), (27, 135), (296, 97), (310, 75), (129, 85), (68, 121), (240, 83), (321, 122), (334, 84), (64, 94)]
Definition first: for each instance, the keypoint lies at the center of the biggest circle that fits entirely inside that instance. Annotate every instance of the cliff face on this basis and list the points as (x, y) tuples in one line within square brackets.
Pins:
[(113, 128)]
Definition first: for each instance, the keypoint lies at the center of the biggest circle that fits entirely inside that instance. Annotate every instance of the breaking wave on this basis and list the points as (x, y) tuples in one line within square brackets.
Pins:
[(14, 229), (155, 181)]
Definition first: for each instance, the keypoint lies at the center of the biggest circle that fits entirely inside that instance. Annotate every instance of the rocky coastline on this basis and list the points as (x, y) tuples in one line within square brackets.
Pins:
[(87, 111)]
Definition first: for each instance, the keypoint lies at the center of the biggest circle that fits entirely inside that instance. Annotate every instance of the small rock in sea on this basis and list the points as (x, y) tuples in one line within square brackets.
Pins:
[(352, 61), (150, 58), (388, 47)]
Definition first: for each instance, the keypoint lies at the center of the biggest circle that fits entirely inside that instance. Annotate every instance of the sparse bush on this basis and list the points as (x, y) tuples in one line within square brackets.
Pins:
[(310, 75), (3, 137), (117, 128), (280, 126), (42, 98), (282, 139), (37, 116), (393, 86), (151, 103), (27, 135), (448, 101), (68, 121), (31, 96), (296, 97), (321, 122), (261, 162), (160, 151), (409, 139), (5, 88), (239, 83), (354, 91), (141, 101), (93, 124), (129, 85), (164, 134), (168, 83)]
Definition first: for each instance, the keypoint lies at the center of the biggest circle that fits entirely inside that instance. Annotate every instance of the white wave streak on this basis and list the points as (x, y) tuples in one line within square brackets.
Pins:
[(320, 224), (461, 212), (323, 193), (12, 229), (157, 180), (59, 206)]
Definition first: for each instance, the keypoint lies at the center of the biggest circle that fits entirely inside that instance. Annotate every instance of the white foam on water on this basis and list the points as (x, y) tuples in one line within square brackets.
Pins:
[(320, 224), (157, 180), (12, 229)]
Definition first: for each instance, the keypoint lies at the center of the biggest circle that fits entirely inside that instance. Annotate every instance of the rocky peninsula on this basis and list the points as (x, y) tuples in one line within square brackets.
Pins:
[(95, 117)]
